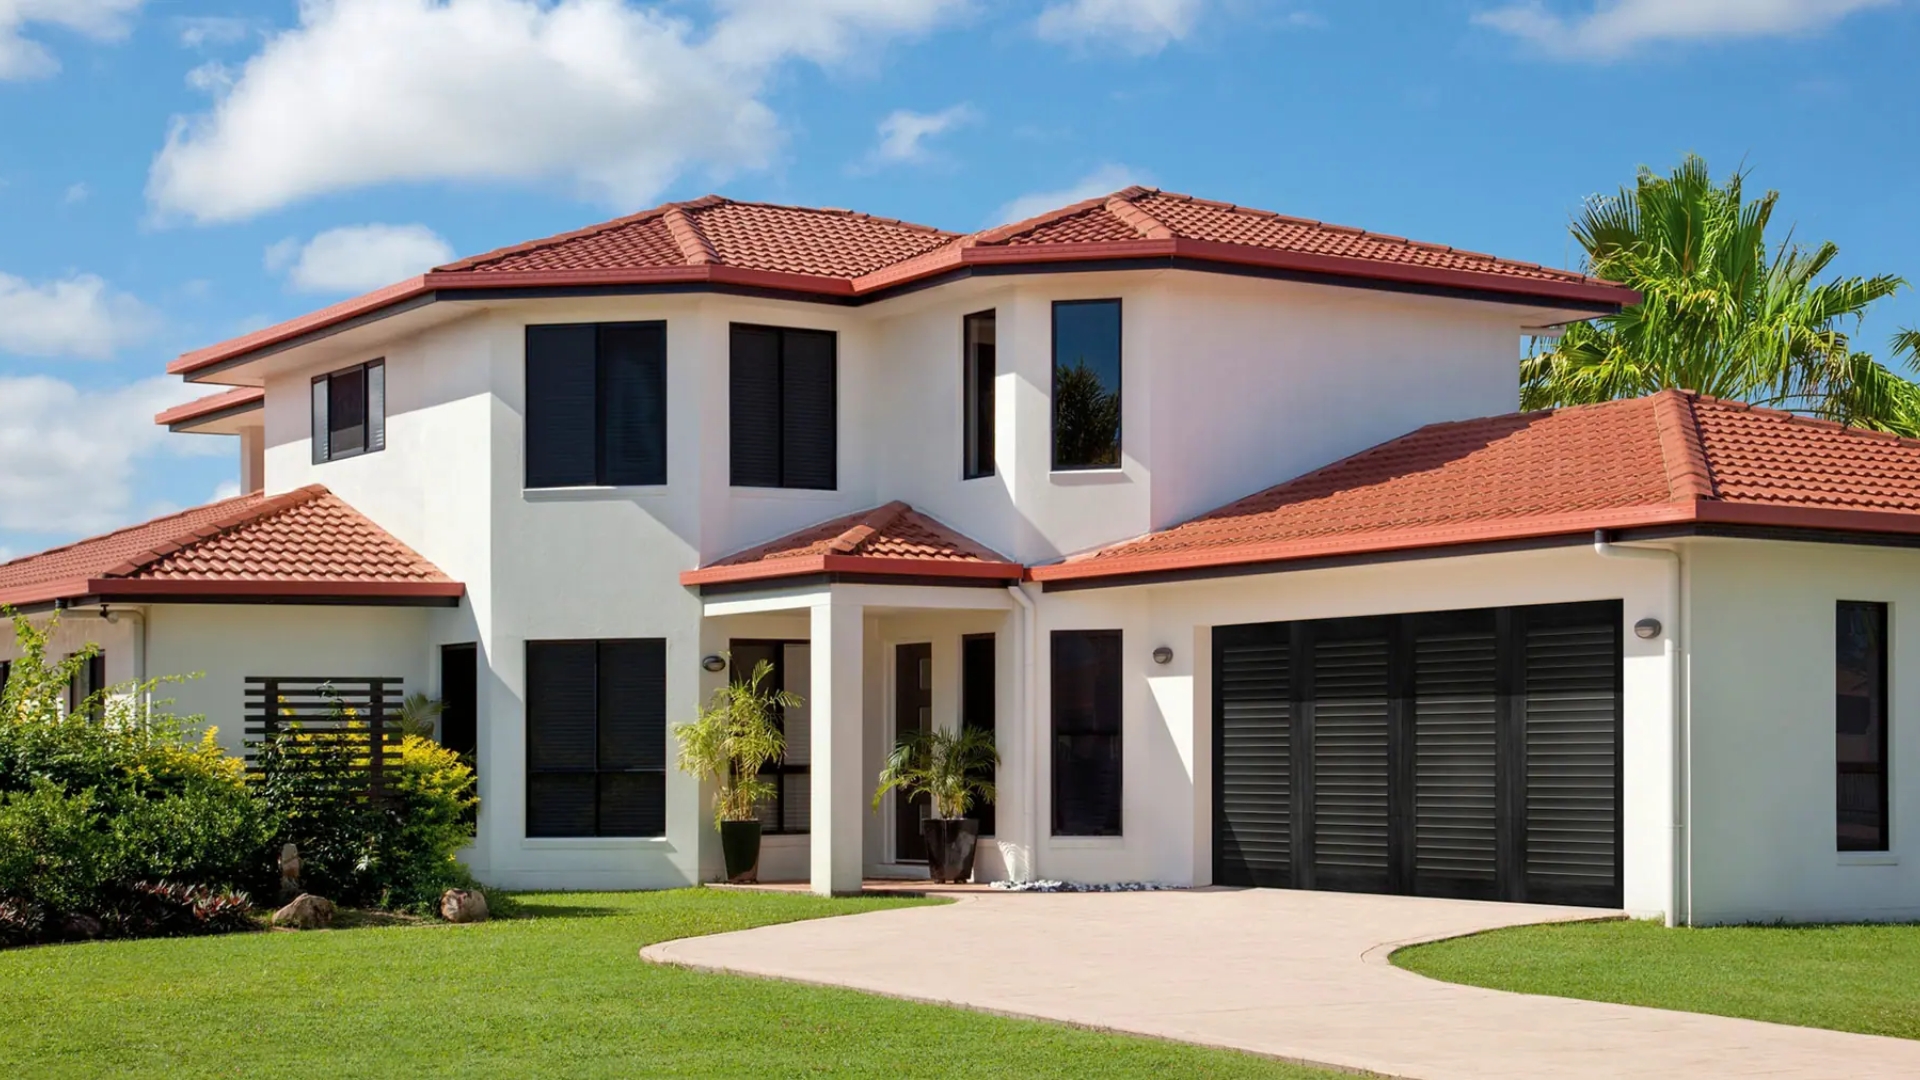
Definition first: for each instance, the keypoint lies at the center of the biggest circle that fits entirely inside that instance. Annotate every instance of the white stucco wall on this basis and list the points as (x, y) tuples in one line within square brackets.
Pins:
[(1762, 704)]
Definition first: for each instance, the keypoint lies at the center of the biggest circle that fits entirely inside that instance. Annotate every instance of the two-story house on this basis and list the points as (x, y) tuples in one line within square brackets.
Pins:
[(1632, 655)]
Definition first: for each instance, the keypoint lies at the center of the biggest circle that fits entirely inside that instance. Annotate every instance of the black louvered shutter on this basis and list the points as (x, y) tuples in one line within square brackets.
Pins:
[(633, 403), (1087, 751), (808, 446), (1572, 720), (560, 420), (1350, 736), (1253, 756), (376, 406), (1456, 711), (562, 724), (753, 407), (633, 737)]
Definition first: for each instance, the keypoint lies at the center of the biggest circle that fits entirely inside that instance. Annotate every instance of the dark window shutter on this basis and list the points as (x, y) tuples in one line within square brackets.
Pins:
[(808, 444), (1087, 748), (560, 407), (320, 397), (753, 407), (633, 403), (376, 406), (560, 738), (633, 704), (347, 411)]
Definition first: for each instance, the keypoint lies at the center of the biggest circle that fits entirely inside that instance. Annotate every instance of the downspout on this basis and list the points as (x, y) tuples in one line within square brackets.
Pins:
[(1680, 903), (1028, 692)]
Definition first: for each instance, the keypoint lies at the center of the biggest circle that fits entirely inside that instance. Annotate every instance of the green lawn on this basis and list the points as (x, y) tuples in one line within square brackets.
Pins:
[(1850, 978), (559, 993)]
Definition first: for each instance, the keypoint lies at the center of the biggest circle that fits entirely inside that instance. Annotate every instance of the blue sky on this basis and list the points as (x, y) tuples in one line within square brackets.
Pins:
[(174, 172)]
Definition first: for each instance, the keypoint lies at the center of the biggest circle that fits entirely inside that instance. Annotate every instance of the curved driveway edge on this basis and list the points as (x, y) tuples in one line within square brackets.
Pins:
[(1300, 976)]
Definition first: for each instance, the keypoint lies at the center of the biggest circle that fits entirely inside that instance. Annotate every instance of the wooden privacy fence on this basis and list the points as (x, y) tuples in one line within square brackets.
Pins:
[(343, 733)]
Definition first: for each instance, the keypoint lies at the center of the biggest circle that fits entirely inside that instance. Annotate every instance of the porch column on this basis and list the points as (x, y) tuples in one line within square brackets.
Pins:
[(839, 783)]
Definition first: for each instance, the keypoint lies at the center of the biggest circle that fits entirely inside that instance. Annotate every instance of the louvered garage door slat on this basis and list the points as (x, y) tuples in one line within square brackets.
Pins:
[(1456, 712), (1253, 826), (1350, 763), (1571, 732)]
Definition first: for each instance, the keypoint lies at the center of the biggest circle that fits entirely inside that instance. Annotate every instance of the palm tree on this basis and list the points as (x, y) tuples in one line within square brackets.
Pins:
[(1720, 314)]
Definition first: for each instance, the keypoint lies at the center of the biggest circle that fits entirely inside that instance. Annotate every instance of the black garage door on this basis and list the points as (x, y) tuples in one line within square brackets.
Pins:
[(1460, 753)]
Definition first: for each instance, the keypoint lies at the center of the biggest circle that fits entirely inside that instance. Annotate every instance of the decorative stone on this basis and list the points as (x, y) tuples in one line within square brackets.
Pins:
[(307, 912), (289, 872), (463, 906)]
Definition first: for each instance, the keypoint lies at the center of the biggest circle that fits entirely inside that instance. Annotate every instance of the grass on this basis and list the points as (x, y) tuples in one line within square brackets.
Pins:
[(1849, 978), (560, 992)]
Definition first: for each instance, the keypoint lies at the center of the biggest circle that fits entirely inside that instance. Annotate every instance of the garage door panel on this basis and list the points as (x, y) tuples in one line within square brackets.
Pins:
[(1456, 727), (1253, 792), (1350, 736)]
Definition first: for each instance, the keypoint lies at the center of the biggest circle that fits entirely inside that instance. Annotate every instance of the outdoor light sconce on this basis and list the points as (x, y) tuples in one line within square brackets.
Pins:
[(1647, 629), (1163, 655), (714, 663)]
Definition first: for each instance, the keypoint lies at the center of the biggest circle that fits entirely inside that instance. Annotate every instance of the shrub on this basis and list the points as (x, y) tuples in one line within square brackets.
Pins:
[(168, 909)]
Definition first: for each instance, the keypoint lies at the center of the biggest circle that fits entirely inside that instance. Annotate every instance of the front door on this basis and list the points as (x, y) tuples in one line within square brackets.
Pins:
[(912, 711)]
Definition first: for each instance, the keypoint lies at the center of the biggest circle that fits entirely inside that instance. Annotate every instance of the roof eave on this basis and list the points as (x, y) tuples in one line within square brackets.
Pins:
[(810, 565)]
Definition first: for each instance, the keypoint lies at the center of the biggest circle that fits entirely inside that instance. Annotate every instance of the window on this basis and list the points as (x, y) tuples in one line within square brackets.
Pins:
[(1086, 733), (460, 693), (1086, 384), (977, 705), (790, 809), (88, 679), (350, 412), (1860, 725), (781, 408), (597, 738), (977, 393), (596, 404)]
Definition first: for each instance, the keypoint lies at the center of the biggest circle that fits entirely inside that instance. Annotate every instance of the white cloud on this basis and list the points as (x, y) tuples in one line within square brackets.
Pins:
[(1615, 28), (79, 316), (75, 194), (356, 258), (1102, 181), (1140, 27), (903, 134), (22, 57), (225, 489), (612, 99), (68, 455), (203, 31)]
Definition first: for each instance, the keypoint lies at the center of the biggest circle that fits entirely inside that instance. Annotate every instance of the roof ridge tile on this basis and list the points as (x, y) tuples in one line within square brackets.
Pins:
[(693, 244), (1682, 450), (1143, 222)]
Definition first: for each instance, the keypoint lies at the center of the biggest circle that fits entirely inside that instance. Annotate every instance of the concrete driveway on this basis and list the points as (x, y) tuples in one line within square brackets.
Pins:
[(1296, 975)]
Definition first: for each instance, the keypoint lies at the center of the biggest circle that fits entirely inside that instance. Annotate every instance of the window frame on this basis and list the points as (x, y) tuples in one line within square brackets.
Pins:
[(1053, 385), (601, 397), (1880, 725), (779, 420), (1118, 735), (977, 458), (597, 772), (373, 434)]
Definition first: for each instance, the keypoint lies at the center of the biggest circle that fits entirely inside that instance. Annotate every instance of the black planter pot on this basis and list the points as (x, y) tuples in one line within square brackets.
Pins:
[(950, 844), (740, 842)]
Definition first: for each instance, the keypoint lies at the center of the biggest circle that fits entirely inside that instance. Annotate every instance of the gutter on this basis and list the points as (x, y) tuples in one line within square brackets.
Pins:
[(1029, 694), (1680, 900)]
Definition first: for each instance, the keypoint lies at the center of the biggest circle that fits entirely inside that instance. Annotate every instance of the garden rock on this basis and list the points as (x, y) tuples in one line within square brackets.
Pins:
[(307, 912), (463, 906)]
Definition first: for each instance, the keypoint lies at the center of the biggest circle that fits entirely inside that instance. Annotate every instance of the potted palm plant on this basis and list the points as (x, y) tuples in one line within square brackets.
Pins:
[(735, 737), (954, 769)]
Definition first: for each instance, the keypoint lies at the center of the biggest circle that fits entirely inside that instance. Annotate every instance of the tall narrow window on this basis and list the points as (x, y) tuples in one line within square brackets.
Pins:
[(89, 678), (782, 408), (596, 404), (977, 395), (1086, 732), (1860, 725), (596, 738), (350, 412), (978, 707), (1086, 384), (460, 692)]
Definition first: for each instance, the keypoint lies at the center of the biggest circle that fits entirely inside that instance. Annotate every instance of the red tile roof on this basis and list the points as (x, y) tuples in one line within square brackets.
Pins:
[(305, 544), (1672, 458), (848, 255), (894, 540), (238, 399)]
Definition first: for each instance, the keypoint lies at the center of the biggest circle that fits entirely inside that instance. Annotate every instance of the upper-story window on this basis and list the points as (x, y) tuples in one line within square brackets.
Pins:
[(976, 390), (1086, 384), (350, 411), (596, 404), (782, 408)]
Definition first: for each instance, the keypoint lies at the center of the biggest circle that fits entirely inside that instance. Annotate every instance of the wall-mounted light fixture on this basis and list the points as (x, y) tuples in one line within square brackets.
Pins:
[(1647, 629), (1163, 655), (714, 663)]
